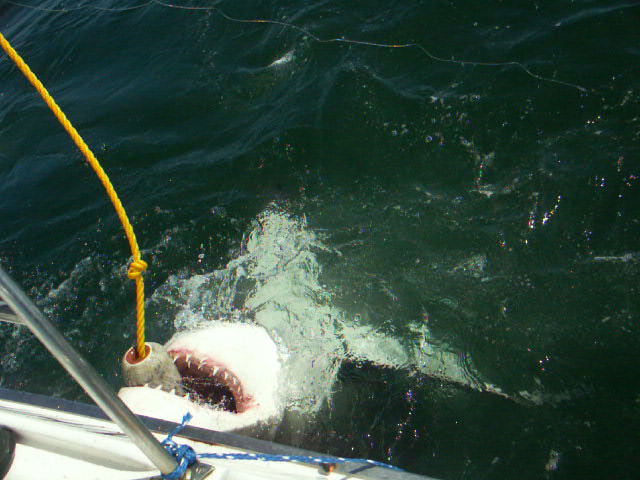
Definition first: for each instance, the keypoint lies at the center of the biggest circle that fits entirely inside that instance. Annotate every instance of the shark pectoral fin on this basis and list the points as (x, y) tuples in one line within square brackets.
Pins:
[(367, 344)]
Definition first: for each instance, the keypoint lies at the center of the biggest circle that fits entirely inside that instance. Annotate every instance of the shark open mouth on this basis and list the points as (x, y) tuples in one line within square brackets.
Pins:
[(227, 376), (209, 382)]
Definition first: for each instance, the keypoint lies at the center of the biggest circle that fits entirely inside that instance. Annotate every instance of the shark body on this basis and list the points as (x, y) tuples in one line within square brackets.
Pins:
[(261, 337)]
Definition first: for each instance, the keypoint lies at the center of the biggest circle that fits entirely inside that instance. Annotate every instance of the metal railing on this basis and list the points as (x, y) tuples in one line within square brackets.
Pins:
[(26, 313)]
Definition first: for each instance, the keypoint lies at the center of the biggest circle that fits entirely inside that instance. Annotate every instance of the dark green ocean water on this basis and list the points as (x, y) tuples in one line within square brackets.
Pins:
[(485, 181)]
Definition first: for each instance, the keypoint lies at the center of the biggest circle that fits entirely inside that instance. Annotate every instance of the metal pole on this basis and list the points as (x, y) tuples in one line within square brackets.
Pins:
[(84, 373), (6, 315)]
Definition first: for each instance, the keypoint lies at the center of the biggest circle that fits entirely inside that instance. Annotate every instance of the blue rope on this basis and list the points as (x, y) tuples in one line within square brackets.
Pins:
[(186, 456), (295, 458)]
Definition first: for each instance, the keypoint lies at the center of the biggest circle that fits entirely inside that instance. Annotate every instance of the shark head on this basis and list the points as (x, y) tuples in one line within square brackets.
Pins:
[(230, 377)]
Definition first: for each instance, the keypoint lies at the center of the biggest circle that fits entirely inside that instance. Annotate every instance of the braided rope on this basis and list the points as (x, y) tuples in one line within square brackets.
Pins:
[(138, 266), (186, 456)]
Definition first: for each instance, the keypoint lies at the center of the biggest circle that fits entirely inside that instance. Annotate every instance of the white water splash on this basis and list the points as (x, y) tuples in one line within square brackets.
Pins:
[(275, 284)]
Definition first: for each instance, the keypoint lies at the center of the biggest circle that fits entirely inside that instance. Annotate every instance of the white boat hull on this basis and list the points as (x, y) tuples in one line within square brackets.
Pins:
[(57, 442)]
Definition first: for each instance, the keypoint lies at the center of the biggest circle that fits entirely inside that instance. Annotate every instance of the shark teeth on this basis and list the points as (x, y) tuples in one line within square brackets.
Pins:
[(160, 387), (192, 365)]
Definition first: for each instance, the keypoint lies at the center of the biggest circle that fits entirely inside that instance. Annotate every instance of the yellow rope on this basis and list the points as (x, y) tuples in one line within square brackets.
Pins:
[(138, 266)]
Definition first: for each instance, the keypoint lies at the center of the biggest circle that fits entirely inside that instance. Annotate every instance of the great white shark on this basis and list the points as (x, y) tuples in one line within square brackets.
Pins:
[(261, 336)]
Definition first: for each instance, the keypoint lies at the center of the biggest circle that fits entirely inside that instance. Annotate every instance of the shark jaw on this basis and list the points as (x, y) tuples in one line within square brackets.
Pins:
[(207, 381), (230, 377)]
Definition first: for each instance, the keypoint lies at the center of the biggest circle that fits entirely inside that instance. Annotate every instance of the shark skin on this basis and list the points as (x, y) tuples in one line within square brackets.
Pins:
[(264, 332), (245, 361), (241, 359)]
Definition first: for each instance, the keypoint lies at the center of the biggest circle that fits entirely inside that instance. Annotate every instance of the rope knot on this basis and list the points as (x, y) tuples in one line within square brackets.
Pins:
[(184, 454), (136, 269)]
